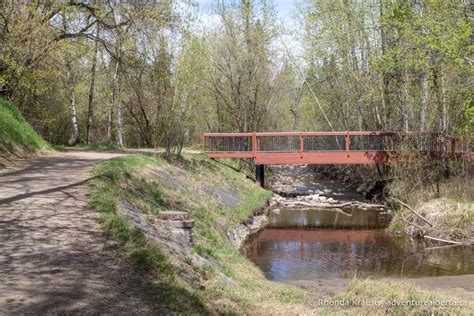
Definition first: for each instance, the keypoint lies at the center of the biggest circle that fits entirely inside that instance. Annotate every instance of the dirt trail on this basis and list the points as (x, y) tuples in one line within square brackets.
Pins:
[(53, 256)]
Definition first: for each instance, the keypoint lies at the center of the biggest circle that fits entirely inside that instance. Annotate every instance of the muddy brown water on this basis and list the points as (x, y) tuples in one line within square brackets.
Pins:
[(328, 218), (319, 244)]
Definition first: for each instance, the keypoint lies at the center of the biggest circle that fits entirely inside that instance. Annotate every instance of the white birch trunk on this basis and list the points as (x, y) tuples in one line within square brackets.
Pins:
[(424, 103), (112, 104), (75, 137), (90, 107), (119, 109)]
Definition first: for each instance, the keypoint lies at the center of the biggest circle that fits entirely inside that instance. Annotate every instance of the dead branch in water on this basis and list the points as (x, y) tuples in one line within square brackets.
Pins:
[(412, 210), (343, 205), (332, 209), (446, 241)]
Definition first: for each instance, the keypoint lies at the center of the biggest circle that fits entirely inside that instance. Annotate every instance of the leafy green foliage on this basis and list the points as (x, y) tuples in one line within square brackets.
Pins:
[(14, 130), (396, 65)]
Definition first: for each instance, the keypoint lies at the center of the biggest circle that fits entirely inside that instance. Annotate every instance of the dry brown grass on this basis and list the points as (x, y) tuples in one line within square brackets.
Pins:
[(447, 203), (451, 219), (395, 298)]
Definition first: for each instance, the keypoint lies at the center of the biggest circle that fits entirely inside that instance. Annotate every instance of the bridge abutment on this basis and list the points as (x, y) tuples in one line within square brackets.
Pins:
[(260, 175)]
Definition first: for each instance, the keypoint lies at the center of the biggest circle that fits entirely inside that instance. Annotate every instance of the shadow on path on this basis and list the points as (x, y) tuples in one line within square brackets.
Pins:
[(54, 258), (43, 192)]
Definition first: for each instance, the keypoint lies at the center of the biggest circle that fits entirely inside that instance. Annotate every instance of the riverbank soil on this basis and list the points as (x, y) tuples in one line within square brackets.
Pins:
[(456, 286)]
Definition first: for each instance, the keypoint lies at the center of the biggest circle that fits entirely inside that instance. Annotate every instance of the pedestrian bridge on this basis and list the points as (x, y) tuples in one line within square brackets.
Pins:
[(332, 147)]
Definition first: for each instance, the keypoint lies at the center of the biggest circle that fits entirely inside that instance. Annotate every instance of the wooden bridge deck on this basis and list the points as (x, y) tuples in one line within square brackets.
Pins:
[(332, 147)]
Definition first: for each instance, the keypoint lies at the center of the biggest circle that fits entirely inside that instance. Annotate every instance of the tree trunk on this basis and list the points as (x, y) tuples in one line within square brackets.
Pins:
[(112, 103), (119, 111), (406, 123), (444, 110), (444, 127), (424, 102), (90, 106), (438, 83), (402, 93), (75, 137), (71, 84), (386, 78)]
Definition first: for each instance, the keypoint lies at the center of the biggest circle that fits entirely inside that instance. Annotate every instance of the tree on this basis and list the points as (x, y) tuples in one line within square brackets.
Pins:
[(388, 64), (241, 72)]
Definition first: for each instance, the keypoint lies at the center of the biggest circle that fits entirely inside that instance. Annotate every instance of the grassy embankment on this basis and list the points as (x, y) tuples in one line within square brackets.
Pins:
[(217, 198), (17, 137)]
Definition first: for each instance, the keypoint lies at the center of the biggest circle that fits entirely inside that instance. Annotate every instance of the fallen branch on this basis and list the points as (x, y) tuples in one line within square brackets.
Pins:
[(343, 205), (410, 223), (412, 210), (335, 210)]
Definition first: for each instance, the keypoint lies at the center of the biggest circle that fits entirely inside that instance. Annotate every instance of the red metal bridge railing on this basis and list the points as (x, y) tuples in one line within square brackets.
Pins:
[(330, 147)]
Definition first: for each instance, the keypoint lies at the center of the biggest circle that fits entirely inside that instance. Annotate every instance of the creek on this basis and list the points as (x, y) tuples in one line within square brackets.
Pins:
[(342, 236)]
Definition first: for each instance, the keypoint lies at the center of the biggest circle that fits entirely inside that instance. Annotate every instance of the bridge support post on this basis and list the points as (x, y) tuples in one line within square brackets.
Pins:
[(260, 175)]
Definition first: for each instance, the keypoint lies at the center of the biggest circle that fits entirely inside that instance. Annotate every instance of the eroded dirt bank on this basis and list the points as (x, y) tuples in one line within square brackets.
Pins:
[(53, 256)]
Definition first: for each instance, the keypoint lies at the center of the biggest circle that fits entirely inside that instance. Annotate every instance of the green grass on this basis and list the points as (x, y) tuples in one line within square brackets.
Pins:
[(14, 130), (100, 146), (162, 281), (59, 148), (153, 184)]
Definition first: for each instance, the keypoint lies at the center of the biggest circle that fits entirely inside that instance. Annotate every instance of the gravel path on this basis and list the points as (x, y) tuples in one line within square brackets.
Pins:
[(53, 256)]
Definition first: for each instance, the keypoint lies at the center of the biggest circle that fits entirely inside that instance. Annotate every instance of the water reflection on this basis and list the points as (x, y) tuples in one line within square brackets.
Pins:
[(356, 218), (309, 254)]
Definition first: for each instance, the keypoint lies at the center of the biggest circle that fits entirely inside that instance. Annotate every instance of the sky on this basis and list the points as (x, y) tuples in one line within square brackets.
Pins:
[(284, 8)]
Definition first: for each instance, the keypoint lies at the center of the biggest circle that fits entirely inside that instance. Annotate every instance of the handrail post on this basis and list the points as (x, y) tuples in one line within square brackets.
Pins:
[(348, 141), (301, 145), (437, 148), (453, 148), (202, 143), (254, 144)]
